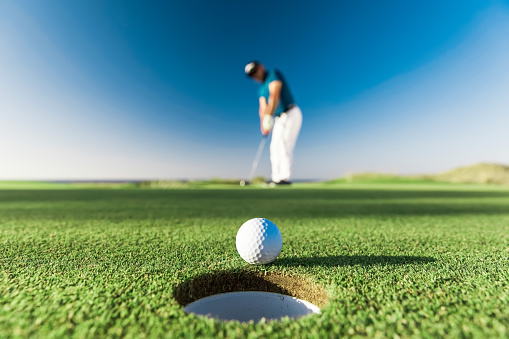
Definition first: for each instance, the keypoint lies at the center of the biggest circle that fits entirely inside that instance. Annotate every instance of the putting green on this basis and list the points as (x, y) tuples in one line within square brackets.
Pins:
[(421, 260)]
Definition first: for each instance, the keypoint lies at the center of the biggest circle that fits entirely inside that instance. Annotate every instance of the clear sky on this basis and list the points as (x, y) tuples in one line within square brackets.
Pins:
[(147, 90)]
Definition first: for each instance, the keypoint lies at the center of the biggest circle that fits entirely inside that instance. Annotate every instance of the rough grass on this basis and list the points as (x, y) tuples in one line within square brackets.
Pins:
[(380, 178), (413, 261), (480, 173), (483, 173)]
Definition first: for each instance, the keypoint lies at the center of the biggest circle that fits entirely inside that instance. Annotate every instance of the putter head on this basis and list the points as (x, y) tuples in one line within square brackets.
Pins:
[(244, 183)]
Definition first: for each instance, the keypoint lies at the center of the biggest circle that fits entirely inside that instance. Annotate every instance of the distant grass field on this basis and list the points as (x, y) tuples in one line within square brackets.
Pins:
[(396, 260)]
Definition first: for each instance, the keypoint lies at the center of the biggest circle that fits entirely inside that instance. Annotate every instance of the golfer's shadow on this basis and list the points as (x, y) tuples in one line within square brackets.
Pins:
[(352, 260)]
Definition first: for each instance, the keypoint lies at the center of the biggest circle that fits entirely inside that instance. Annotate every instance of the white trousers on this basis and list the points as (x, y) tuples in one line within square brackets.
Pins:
[(284, 137)]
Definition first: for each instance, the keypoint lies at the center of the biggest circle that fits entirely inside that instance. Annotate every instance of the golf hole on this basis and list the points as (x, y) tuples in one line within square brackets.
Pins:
[(250, 296)]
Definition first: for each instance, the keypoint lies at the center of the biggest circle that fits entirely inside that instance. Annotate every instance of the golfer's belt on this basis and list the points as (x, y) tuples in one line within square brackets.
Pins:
[(289, 107)]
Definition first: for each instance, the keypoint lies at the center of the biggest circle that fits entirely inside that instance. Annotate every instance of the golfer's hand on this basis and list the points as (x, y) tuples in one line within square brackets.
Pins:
[(267, 124)]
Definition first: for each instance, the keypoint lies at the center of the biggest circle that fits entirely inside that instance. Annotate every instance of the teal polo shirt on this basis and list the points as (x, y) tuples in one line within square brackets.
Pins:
[(286, 98)]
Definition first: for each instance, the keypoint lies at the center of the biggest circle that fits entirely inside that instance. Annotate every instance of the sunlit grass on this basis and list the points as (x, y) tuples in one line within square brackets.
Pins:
[(423, 262)]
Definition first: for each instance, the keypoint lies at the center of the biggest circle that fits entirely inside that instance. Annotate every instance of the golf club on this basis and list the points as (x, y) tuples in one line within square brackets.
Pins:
[(255, 162)]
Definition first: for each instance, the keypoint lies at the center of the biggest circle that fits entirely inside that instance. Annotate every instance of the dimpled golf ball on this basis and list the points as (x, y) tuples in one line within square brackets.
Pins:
[(259, 241)]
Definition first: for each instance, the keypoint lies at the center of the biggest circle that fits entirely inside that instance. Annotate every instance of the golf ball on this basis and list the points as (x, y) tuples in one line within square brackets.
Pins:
[(259, 241)]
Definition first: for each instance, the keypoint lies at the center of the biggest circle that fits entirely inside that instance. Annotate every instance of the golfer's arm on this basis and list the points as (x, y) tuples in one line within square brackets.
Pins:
[(275, 94), (263, 107)]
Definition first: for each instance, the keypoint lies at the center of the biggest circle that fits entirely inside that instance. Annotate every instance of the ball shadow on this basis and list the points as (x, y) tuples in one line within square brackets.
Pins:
[(352, 260)]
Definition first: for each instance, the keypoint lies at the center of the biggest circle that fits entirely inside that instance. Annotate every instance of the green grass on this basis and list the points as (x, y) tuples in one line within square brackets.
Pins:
[(49, 185), (378, 178), (406, 260)]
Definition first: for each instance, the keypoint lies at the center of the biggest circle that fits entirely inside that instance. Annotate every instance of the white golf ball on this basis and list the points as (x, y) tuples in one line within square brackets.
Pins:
[(259, 241)]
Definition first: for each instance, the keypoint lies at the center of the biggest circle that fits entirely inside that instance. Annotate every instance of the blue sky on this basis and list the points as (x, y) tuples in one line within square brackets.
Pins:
[(128, 90)]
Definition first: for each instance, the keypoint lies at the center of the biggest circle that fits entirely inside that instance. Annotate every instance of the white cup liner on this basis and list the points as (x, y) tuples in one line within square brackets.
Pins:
[(247, 306)]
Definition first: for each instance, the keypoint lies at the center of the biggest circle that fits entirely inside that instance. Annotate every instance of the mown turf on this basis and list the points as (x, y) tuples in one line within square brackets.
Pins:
[(409, 262)]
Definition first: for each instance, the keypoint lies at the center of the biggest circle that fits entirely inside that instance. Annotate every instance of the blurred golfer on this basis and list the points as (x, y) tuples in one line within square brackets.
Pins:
[(279, 113)]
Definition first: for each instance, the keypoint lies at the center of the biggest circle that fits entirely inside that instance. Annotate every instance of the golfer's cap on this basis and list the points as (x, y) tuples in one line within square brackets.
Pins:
[(251, 68)]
